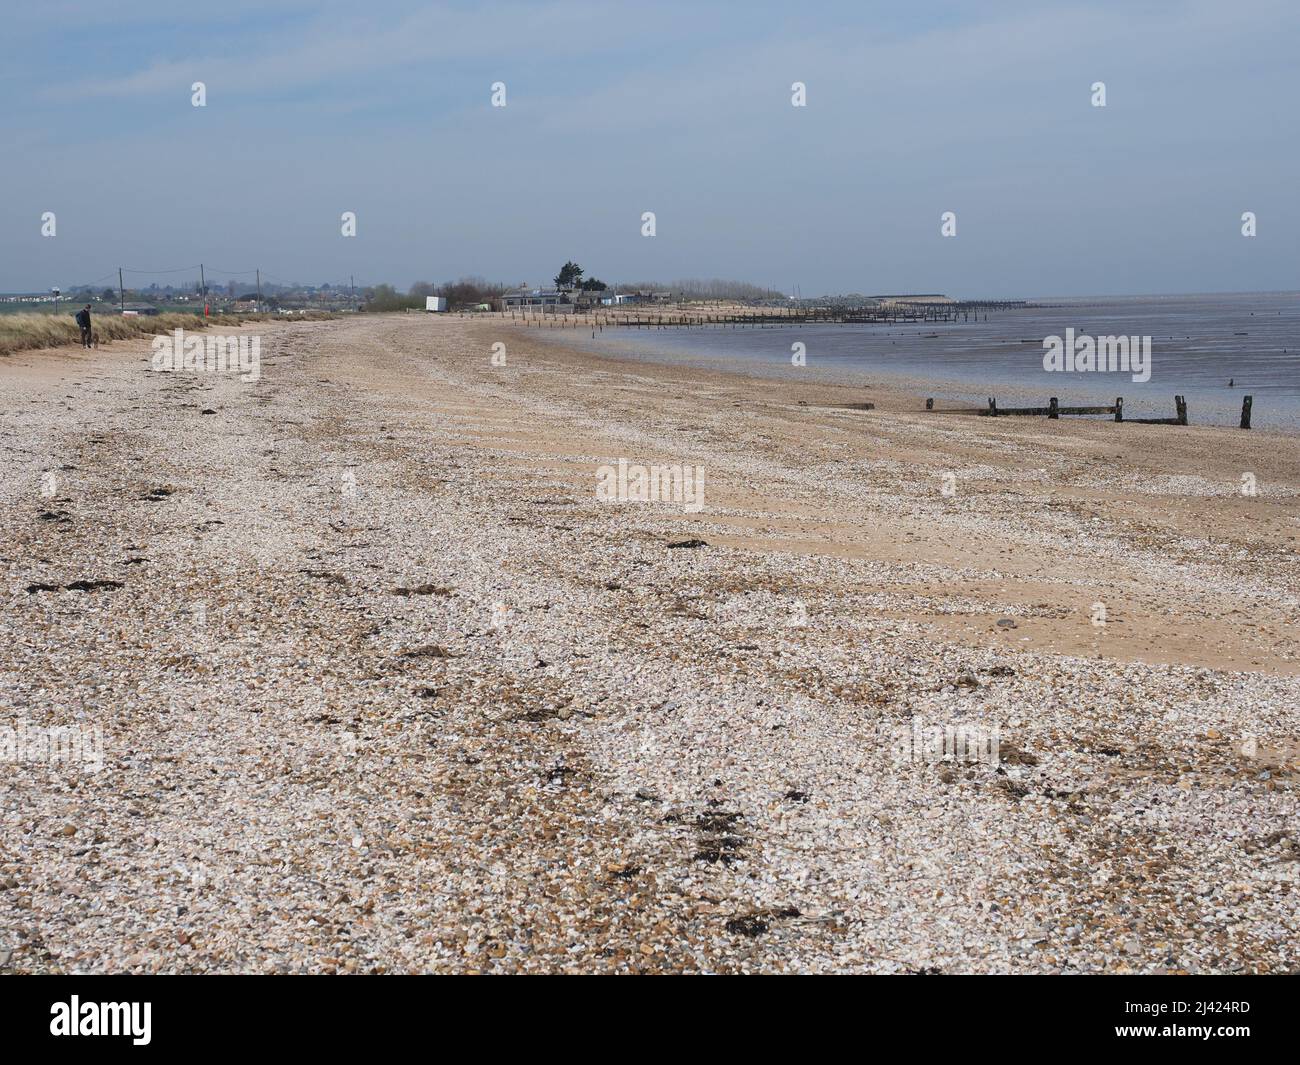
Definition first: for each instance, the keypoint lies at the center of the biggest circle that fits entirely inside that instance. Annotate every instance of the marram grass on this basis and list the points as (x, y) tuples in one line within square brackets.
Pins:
[(24, 332)]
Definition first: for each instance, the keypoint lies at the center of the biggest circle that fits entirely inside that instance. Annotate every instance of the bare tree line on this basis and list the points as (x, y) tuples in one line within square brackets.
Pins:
[(696, 288)]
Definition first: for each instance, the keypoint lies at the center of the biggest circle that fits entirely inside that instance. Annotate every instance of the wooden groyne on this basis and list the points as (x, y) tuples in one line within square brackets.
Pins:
[(1055, 410), (761, 317)]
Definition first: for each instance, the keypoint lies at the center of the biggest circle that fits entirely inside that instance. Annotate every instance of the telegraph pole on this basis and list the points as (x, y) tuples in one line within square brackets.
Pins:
[(353, 282), (203, 286), (121, 291), (259, 288)]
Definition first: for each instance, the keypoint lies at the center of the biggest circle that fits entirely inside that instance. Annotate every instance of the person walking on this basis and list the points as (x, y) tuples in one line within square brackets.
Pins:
[(83, 320)]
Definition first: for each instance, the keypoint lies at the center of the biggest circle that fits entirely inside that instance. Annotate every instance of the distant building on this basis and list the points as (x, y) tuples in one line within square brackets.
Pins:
[(554, 300), (618, 298), (566, 300), (921, 297)]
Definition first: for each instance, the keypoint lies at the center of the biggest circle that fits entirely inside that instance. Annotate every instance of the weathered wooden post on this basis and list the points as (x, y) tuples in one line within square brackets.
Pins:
[(993, 407), (1180, 408), (1053, 411), (929, 404), (1245, 411), (1119, 408)]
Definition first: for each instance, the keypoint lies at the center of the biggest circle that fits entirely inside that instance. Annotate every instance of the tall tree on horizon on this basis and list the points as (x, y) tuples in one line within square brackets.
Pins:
[(570, 275)]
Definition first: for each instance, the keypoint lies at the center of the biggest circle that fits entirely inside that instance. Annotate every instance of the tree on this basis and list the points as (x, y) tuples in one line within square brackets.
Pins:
[(470, 292), (593, 285), (570, 276), (108, 295), (387, 298)]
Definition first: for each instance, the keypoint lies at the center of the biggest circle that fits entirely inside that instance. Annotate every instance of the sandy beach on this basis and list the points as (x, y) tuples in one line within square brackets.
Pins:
[(384, 686)]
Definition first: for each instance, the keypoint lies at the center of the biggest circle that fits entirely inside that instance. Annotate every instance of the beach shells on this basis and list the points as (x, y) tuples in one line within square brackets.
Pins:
[(386, 689)]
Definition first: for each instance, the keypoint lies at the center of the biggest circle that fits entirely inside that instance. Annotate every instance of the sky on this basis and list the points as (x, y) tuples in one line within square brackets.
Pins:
[(680, 109)]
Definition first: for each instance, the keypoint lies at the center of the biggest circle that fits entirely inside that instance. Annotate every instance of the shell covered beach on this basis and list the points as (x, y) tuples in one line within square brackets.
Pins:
[(380, 683)]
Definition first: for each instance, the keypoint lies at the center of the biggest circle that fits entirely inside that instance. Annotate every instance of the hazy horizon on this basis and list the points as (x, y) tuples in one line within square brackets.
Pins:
[(315, 109)]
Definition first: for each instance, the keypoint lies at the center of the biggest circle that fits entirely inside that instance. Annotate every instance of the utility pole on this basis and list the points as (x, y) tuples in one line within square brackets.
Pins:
[(203, 287), (259, 288), (121, 291), (353, 282)]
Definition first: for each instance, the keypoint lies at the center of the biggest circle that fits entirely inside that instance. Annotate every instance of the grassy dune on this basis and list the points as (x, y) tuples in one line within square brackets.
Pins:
[(23, 332)]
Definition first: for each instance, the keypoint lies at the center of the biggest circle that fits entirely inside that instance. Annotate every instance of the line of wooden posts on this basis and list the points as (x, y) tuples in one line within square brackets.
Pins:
[(759, 317), (1055, 410)]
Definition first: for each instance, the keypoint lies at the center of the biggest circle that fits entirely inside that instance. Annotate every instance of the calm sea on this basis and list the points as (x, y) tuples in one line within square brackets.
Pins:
[(1199, 344)]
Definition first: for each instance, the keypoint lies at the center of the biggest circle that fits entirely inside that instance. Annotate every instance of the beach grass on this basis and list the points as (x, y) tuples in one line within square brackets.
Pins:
[(26, 332)]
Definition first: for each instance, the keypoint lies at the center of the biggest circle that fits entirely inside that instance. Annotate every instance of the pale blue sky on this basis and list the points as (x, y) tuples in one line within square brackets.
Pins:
[(678, 108)]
